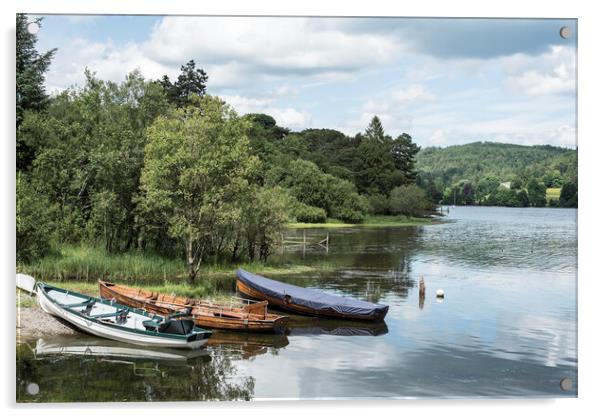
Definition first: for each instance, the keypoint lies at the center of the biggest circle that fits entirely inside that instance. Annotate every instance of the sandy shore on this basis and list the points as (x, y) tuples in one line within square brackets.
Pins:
[(33, 322)]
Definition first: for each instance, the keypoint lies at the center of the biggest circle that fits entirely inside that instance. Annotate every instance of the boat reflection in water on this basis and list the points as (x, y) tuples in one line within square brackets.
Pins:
[(245, 345), (82, 368), (104, 349), (303, 325)]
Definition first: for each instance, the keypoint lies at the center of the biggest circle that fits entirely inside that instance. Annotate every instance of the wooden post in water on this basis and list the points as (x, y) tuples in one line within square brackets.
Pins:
[(304, 240), (421, 293), (327, 240)]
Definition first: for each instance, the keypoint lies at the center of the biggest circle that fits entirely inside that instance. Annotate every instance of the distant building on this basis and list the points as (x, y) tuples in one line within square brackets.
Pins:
[(506, 184)]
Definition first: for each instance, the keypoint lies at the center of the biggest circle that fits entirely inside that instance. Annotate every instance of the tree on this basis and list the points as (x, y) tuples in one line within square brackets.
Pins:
[(486, 185), (537, 193), (311, 186), (375, 169), (409, 200), (191, 81), (507, 197), (90, 148), (34, 225), (197, 164), (264, 217), (375, 130), (30, 70), (404, 153), (523, 197), (568, 195)]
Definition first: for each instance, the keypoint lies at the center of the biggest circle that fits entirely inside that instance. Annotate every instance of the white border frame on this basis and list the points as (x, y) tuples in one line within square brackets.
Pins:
[(589, 159)]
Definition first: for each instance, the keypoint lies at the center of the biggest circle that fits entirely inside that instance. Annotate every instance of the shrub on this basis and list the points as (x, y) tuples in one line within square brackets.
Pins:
[(409, 200), (309, 214), (378, 204), (312, 187)]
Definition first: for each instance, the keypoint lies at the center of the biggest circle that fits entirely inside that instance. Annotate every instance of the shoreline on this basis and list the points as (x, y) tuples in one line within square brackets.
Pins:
[(33, 323), (371, 221)]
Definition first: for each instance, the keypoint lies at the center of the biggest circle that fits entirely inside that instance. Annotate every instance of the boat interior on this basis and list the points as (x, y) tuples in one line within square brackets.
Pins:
[(118, 314)]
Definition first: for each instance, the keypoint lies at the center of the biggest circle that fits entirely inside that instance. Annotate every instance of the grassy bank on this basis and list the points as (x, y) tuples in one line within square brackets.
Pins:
[(79, 267), (370, 221)]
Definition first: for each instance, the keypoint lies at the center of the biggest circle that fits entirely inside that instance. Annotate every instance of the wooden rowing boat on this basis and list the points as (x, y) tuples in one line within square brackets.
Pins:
[(253, 317), (306, 301), (115, 321)]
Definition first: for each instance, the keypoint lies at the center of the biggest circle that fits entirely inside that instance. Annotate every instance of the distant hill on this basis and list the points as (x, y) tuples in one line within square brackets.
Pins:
[(554, 166)]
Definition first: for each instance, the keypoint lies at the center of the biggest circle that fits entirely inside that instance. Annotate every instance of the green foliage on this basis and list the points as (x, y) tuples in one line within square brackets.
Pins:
[(31, 94), (375, 131), (192, 81), (409, 200), (537, 193), (90, 148), (404, 153), (504, 161), (311, 186), (196, 168), (378, 203), (374, 167), (304, 213), (504, 197), (461, 193), (486, 164), (34, 226), (568, 195), (264, 218)]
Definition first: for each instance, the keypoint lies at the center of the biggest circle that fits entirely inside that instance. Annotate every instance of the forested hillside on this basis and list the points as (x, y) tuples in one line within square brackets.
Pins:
[(475, 171)]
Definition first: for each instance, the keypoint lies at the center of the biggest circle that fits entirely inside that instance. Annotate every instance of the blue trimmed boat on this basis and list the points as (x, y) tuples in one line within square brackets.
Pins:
[(110, 320)]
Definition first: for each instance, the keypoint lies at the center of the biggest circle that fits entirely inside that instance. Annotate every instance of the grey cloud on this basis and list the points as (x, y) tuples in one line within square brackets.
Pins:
[(463, 37)]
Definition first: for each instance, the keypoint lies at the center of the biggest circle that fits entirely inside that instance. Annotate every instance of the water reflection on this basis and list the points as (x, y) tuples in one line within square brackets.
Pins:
[(243, 345), (82, 368), (299, 325)]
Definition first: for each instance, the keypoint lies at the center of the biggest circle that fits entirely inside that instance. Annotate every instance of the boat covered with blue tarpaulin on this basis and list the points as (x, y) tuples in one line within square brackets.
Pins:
[(307, 300)]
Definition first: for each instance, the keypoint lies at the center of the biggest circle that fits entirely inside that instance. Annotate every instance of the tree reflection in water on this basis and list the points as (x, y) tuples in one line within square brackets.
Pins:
[(106, 376), (374, 262)]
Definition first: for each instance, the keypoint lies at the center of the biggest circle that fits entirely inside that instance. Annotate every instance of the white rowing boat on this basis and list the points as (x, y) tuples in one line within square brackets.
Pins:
[(107, 319)]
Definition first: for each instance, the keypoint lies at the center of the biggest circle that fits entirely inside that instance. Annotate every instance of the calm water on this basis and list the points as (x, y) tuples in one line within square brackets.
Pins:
[(507, 325)]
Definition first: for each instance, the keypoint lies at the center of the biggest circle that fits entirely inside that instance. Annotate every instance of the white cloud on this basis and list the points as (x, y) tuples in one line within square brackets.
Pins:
[(410, 95), (232, 50), (287, 116), (549, 73), (439, 137), (393, 109)]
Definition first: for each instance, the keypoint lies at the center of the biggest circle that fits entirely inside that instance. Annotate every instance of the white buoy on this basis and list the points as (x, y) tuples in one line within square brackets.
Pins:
[(440, 293)]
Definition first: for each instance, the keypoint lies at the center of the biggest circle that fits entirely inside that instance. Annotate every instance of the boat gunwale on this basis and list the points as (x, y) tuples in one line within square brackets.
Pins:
[(189, 337), (276, 321)]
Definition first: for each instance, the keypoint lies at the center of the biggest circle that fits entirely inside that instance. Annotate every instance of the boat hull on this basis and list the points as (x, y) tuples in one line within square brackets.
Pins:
[(113, 332), (288, 304), (210, 318)]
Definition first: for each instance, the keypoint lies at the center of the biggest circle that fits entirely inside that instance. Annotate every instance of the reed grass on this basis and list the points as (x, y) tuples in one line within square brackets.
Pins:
[(80, 267)]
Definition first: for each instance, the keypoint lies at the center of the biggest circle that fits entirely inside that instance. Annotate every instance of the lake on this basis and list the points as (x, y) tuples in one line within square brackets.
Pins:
[(506, 327)]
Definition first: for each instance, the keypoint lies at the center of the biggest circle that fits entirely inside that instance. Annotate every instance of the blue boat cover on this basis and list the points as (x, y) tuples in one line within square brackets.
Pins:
[(315, 299)]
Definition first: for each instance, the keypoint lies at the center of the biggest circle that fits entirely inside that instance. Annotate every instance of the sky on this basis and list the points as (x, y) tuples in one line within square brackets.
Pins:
[(443, 81)]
